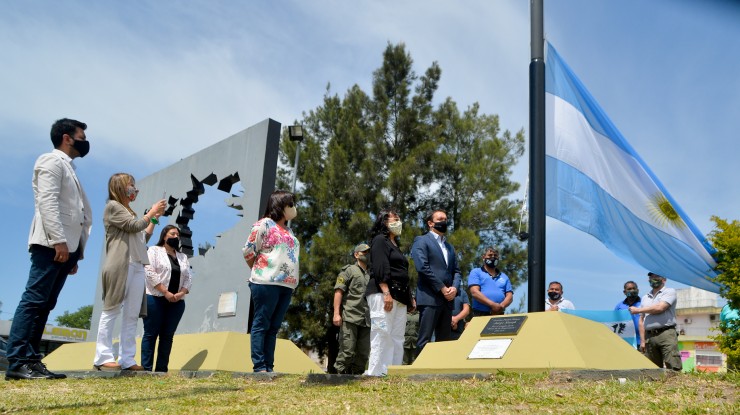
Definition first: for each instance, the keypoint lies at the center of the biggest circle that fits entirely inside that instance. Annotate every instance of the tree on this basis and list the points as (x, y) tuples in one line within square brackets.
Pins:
[(80, 319), (363, 152), (473, 172), (726, 239)]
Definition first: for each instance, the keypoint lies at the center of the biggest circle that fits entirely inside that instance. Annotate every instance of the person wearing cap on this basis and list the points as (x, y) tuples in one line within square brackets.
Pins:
[(352, 314), (631, 299), (490, 288), (659, 339)]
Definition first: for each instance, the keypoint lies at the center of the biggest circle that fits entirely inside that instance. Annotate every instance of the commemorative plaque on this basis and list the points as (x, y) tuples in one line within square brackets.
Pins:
[(490, 349), (503, 326)]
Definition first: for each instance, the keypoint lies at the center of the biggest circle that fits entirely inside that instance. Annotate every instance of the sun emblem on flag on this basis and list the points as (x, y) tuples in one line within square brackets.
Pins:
[(663, 212)]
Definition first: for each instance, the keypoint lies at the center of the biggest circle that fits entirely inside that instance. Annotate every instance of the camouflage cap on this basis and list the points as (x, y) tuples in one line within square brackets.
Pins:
[(362, 248)]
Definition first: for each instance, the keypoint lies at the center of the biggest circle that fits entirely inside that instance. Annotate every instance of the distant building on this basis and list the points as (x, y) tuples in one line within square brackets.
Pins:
[(697, 320), (53, 336)]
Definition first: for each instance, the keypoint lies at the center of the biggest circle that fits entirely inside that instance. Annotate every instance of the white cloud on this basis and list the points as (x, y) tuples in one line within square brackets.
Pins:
[(157, 81)]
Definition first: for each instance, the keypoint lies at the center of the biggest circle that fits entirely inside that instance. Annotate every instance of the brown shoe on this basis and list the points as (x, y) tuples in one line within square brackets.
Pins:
[(137, 368), (108, 367)]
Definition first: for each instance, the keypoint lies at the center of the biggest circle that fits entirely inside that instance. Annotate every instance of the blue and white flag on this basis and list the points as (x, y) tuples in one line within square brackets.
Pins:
[(597, 183), (618, 321)]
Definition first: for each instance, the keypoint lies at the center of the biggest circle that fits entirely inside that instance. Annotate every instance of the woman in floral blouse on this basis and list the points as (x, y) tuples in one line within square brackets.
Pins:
[(271, 252)]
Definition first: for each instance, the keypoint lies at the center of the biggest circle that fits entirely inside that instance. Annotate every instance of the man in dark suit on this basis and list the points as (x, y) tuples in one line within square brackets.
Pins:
[(439, 280)]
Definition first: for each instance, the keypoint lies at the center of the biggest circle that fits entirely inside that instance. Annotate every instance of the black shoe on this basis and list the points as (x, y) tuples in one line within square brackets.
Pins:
[(25, 372), (41, 368)]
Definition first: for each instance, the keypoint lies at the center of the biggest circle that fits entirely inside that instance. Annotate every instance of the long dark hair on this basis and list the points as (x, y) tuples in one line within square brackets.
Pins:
[(163, 234), (277, 202), (380, 227)]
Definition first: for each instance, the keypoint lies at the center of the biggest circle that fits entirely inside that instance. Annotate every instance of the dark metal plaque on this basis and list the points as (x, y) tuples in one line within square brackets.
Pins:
[(502, 326)]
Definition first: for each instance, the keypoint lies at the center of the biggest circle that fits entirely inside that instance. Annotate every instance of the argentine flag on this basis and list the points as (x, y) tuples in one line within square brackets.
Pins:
[(597, 183)]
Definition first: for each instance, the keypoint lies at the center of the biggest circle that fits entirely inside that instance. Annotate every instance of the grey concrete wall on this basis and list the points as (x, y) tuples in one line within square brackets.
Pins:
[(252, 155)]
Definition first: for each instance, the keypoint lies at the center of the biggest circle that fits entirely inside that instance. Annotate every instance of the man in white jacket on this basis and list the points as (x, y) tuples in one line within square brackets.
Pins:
[(60, 228)]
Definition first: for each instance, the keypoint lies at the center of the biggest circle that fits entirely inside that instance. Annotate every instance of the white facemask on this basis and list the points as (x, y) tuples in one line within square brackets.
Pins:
[(290, 212), (396, 227)]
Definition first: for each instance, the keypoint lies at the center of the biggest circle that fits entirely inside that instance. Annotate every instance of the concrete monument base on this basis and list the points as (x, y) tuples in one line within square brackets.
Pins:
[(215, 351), (545, 341)]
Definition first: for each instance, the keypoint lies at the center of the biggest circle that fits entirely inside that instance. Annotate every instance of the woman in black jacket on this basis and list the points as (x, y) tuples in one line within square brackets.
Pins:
[(388, 294)]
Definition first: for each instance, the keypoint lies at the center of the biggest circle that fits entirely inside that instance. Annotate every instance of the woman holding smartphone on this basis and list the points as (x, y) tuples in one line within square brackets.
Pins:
[(123, 272)]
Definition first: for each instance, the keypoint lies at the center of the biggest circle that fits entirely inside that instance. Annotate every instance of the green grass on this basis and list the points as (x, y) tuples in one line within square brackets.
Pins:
[(504, 393)]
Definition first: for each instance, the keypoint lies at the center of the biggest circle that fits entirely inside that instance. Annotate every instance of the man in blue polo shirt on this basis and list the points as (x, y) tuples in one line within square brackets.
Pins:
[(491, 289), (631, 299)]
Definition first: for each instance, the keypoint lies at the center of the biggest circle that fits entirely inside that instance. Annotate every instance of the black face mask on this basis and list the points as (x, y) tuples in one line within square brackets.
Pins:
[(441, 226), (82, 147), (173, 242), (491, 262), (553, 295)]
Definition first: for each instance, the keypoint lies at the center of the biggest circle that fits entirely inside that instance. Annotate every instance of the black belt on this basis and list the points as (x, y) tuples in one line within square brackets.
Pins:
[(655, 332)]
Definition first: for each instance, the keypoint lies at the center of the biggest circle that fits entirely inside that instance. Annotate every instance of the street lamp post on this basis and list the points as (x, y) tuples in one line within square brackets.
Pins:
[(295, 132)]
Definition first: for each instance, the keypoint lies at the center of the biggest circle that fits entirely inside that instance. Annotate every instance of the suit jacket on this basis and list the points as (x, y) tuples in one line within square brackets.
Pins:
[(62, 212), (434, 273)]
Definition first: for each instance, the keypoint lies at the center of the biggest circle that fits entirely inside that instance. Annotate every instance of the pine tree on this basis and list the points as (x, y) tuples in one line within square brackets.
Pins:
[(363, 152)]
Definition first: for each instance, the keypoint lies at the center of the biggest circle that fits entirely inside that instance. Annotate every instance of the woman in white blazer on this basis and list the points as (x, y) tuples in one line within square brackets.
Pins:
[(168, 281)]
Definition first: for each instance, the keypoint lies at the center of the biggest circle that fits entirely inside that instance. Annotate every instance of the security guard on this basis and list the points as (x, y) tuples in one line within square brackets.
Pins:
[(352, 314), (659, 339)]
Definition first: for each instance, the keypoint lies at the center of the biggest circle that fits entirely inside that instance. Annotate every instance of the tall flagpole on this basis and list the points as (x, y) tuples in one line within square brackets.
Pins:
[(536, 241)]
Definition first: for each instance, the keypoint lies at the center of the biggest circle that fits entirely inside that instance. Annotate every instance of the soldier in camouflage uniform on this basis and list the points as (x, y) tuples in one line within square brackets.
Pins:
[(352, 314), (410, 337)]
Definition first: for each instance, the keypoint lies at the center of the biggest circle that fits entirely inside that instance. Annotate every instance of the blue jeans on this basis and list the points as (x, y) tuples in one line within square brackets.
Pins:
[(161, 321), (270, 305), (45, 281)]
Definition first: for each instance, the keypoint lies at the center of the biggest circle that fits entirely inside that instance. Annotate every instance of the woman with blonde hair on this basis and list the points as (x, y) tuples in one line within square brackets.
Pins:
[(123, 272)]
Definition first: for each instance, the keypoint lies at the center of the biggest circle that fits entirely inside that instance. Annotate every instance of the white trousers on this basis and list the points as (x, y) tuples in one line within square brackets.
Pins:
[(135, 286), (387, 330)]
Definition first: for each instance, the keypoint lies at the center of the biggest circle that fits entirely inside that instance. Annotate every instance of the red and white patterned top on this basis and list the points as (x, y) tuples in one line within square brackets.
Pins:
[(275, 252)]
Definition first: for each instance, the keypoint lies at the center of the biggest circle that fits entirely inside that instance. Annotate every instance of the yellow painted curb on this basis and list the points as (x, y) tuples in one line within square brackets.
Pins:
[(546, 341), (224, 351)]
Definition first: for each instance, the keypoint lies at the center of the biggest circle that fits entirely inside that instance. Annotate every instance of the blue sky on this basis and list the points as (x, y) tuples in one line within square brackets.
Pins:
[(159, 80)]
